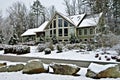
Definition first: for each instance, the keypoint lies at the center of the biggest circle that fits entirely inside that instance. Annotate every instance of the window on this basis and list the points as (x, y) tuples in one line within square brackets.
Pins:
[(50, 33), (65, 23), (54, 31), (91, 31), (60, 32), (85, 31), (54, 22), (51, 25), (59, 22), (65, 32), (80, 31)]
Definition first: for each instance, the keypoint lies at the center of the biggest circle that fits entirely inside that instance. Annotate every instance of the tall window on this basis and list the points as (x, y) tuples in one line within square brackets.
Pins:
[(65, 32), (50, 33), (60, 22), (91, 31), (54, 31), (80, 31), (65, 23), (85, 31), (54, 22), (60, 32), (51, 25)]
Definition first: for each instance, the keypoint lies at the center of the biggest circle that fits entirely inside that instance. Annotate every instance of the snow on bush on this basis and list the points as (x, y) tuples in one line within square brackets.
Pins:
[(47, 51), (17, 49), (59, 48), (42, 47)]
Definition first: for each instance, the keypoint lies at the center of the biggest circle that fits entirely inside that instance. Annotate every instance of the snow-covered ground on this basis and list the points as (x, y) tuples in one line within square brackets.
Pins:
[(69, 55), (45, 76)]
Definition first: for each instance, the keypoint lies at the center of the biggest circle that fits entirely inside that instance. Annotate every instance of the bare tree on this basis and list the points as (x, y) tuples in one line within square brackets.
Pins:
[(17, 15), (67, 5)]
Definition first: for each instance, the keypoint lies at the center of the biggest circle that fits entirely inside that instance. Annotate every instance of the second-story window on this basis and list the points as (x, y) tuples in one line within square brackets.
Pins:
[(65, 23), (54, 22), (59, 22)]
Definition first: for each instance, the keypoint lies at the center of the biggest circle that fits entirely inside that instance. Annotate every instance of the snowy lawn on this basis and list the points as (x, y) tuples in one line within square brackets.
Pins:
[(70, 55), (45, 76)]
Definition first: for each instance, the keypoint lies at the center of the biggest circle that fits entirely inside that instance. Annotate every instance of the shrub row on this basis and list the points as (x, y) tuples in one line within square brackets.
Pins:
[(17, 49)]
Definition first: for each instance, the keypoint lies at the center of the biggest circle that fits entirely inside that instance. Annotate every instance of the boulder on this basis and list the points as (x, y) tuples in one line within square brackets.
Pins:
[(64, 69), (90, 74), (103, 71), (3, 64), (112, 72), (15, 68), (33, 67), (3, 69)]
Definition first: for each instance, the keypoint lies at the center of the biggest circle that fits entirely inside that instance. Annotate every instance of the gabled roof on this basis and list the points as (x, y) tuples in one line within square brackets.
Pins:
[(90, 20), (33, 31), (77, 18)]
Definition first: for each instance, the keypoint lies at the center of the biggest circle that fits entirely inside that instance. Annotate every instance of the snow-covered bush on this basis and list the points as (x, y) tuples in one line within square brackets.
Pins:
[(59, 48), (17, 49), (69, 46), (54, 40), (42, 47), (1, 47), (13, 40), (49, 45), (47, 51), (117, 48)]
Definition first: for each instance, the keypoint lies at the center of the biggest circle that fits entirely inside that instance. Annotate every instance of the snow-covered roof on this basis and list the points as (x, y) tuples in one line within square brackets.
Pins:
[(77, 18), (66, 17), (29, 32), (42, 27), (90, 20), (34, 30)]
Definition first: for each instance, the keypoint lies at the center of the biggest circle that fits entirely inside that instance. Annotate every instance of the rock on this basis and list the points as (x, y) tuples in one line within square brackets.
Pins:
[(33, 67), (103, 71), (15, 68), (3, 64), (47, 51), (90, 74), (112, 72), (64, 69), (3, 69)]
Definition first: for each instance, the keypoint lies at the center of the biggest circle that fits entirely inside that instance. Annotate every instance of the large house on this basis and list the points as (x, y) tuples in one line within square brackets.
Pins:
[(83, 26)]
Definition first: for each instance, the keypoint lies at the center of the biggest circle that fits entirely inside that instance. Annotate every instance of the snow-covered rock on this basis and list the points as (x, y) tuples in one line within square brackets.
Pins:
[(34, 66), (64, 69), (15, 68), (112, 72), (103, 71)]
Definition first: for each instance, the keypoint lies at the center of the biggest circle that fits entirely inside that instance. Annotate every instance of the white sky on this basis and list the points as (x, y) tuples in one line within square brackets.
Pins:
[(4, 4)]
